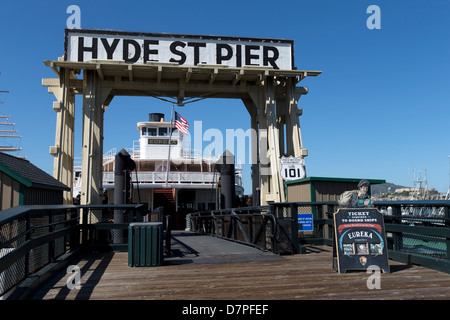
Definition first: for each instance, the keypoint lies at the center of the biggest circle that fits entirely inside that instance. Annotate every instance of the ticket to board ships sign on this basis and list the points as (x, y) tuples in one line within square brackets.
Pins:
[(360, 239), (187, 50)]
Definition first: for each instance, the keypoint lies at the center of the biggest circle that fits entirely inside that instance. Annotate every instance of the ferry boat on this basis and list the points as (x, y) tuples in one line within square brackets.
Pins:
[(191, 182)]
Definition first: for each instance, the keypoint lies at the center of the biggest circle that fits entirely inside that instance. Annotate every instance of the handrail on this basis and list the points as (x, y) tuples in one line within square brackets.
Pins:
[(412, 238), (35, 236), (32, 229), (14, 212), (247, 239), (233, 228)]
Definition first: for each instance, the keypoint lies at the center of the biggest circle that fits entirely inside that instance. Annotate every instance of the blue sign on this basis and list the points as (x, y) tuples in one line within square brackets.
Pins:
[(305, 221)]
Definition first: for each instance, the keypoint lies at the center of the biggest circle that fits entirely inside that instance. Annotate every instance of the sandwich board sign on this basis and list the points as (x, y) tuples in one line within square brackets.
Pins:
[(360, 240)]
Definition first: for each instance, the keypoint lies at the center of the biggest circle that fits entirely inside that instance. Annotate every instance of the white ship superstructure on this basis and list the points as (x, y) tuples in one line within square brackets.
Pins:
[(189, 184)]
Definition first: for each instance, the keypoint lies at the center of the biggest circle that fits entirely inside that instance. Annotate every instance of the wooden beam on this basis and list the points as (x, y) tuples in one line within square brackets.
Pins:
[(188, 75), (237, 77), (130, 72), (99, 71), (159, 74), (213, 76), (54, 68)]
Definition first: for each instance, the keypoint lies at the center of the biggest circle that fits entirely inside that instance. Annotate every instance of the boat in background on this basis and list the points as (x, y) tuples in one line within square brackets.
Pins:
[(190, 183)]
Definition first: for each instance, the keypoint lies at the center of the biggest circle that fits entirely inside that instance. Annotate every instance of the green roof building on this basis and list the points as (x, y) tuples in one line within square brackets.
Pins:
[(22, 183)]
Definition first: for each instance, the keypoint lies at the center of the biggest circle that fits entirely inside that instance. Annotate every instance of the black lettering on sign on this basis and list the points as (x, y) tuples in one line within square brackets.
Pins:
[(272, 58), (238, 56), (197, 46), (110, 48), (173, 49), (219, 53), (126, 50), (249, 56), (148, 51), (82, 49)]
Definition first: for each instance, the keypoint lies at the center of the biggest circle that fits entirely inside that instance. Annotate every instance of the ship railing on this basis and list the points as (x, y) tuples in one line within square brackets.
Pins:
[(180, 177)]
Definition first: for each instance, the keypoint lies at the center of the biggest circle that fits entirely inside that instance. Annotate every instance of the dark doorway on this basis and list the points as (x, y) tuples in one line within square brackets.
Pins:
[(186, 205)]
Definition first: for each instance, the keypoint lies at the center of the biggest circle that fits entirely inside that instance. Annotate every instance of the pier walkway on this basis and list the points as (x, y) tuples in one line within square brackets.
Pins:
[(203, 267)]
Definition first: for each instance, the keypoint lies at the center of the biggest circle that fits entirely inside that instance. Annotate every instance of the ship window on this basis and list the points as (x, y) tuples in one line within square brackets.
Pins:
[(151, 131), (163, 131), (174, 131), (144, 131)]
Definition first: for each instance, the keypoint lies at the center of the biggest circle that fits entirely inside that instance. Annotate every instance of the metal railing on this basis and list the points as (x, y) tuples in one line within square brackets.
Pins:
[(31, 237), (262, 227), (102, 232), (34, 237), (180, 177), (418, 232)]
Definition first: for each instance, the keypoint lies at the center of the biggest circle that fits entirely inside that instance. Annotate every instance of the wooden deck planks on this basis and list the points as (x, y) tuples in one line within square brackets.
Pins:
[(309, 276)]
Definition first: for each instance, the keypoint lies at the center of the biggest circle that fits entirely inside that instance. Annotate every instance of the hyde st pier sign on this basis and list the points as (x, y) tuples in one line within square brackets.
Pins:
[(185, 50)]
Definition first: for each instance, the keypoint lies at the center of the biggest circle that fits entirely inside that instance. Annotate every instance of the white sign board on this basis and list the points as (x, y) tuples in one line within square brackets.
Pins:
[(137, 48), (292, 168)]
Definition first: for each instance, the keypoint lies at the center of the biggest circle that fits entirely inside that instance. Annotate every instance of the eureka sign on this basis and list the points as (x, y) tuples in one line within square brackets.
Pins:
[(187, 50)]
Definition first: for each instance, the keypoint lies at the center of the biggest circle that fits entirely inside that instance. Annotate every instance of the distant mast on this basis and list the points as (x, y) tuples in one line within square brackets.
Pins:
[(7, 130)]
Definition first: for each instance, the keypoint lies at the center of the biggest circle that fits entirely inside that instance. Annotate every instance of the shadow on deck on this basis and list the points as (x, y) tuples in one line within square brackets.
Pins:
[(205, 268)]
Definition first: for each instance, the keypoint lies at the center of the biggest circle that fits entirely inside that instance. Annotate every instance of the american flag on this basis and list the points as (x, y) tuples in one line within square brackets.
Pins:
[(181, 123)]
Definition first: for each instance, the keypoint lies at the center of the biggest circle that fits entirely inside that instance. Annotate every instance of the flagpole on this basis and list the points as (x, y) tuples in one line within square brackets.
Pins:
[(170, 143)]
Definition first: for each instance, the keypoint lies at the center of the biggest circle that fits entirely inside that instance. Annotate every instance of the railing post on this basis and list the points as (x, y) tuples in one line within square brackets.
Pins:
[(250, 227), (294, 230), (222, 226), (27, 237), (447, 240), (51, 244), (319, 212), (168, 234), (273, 229), (234, 226), (85, 230), (75, 235), (398, 239), (329, 214)]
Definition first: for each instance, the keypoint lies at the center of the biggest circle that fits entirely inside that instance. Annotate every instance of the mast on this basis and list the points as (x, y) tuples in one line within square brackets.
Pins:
[(170, 143), (6, 132), (448, 191)]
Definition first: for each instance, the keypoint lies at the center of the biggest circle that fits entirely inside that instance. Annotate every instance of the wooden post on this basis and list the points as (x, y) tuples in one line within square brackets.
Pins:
[(276, 183), (253, 111), (95, 100), (293, 132), (63, 150)]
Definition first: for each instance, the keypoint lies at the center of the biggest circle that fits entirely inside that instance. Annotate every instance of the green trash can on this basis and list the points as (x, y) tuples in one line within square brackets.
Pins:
[(145, 244)]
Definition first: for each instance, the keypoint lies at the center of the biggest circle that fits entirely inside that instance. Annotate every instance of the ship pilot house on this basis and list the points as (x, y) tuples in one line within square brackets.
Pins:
[(189, 184)]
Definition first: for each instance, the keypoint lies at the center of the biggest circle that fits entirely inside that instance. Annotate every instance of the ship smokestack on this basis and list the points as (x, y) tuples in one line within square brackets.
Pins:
[(156, 117)]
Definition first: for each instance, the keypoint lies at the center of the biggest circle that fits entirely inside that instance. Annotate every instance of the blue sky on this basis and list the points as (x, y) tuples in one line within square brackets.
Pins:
[(379, 109)]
